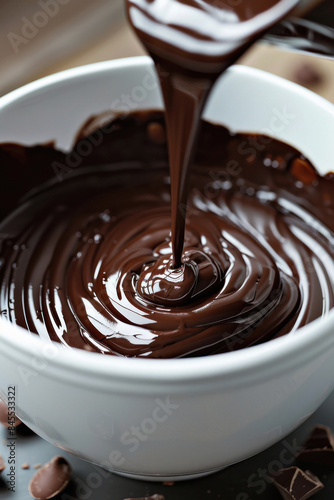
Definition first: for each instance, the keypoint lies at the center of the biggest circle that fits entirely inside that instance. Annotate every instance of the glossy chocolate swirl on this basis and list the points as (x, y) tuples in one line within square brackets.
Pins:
[(80, 258)]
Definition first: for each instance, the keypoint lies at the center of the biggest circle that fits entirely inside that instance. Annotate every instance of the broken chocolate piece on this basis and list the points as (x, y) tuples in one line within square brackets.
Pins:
[(319, 448), (51, 479), (156, 132), (295, 484), (2, 464), (153, 497), (5, 419)]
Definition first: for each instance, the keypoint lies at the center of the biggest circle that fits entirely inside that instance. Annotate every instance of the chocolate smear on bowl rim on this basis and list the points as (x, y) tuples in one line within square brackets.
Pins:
[(296, 484), (318, 449), (51, 479)]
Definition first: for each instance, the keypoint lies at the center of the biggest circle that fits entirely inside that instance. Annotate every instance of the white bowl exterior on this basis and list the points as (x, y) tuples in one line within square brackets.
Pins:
[(167, 418), (167, 433)]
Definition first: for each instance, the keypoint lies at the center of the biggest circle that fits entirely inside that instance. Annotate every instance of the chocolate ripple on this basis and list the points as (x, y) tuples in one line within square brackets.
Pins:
[(87, 262)]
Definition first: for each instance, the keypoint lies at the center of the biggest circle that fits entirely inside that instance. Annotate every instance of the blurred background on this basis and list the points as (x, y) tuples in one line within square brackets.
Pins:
[(40, 37)]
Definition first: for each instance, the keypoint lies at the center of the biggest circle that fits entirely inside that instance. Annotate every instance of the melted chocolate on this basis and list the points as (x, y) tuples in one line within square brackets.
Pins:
[(92, 263), (202, 36), (78, 255), (192, 42)]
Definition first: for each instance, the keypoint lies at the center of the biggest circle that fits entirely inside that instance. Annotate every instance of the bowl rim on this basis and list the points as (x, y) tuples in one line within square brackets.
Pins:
[(247, 365)]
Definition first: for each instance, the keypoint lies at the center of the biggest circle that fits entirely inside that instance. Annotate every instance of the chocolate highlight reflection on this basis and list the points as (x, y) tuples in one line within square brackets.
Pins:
[(80, 258), (192, 43)]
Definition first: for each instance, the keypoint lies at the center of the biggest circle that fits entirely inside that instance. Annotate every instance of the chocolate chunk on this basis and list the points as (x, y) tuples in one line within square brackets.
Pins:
[(2, 464), (5, 420), (319, 448), (308, 75), (51, 479), (153, 497), (156, 132), (295, 484), (303, 171)]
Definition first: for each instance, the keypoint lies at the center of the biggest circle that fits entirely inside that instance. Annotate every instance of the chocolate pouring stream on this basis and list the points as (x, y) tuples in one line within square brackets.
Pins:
[(192, 42)]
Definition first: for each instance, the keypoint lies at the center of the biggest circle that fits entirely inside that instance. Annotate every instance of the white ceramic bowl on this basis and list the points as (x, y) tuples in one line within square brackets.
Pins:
[(169, 418)]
